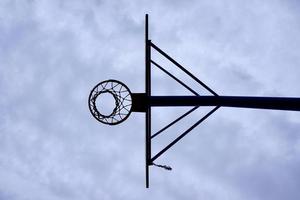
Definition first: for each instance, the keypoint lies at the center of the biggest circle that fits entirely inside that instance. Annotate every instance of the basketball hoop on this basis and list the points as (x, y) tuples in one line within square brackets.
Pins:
[(121, 102), (122, 105)]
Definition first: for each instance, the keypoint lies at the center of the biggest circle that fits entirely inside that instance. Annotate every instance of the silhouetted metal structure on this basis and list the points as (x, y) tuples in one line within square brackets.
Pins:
[(127, 102)]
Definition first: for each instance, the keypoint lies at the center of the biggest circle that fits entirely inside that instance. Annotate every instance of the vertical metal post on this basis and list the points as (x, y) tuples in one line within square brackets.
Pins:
[(148, 94)]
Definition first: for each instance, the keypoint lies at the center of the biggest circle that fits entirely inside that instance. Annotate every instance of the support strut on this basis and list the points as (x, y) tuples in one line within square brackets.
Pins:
[(274, 103)]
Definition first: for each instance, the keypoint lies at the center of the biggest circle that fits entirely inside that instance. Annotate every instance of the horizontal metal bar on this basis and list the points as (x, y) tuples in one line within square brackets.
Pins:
[(173, 122), (183, 69), (276, 103), (175, 78), (183, 134)]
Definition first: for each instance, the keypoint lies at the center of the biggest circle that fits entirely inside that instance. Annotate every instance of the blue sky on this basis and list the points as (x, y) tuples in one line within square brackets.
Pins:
[(52, 54)]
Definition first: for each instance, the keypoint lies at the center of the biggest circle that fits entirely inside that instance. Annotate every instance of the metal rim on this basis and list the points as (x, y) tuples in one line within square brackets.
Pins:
[(123, 101)]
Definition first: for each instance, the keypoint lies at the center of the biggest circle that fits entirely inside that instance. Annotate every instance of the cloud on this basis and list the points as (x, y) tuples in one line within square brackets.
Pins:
[(53, 52)]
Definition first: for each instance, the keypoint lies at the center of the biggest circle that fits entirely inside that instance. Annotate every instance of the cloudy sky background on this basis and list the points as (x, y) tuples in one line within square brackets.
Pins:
[(53, 52)]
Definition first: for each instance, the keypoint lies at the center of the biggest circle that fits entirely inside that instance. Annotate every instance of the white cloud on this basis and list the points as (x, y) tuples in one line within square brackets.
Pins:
[(53, 52)]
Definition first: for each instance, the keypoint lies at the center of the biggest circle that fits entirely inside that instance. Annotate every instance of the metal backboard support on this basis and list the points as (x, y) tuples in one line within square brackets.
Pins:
[(127, 102), (148, 94)]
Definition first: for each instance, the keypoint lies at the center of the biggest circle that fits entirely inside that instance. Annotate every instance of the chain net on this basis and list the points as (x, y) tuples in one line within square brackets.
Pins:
[(122, 97)]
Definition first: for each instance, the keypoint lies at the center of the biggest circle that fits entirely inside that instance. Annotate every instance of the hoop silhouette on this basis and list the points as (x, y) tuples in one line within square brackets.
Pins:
[(126, 102), (122, 97)]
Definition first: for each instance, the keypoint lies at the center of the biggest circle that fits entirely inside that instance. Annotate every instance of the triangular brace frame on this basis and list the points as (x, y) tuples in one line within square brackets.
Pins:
[(142, 102)]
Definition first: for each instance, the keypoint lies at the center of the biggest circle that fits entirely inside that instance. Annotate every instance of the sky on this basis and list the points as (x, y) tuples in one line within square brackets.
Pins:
[(52, 53)]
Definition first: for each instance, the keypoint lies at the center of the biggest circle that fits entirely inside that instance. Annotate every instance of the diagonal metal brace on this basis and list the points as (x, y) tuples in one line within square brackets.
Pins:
[(174, 122), (175, 78), (183, 134), (183, 69)]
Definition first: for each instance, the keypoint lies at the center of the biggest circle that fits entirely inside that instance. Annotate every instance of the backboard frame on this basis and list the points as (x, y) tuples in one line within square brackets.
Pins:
[(148, 94)]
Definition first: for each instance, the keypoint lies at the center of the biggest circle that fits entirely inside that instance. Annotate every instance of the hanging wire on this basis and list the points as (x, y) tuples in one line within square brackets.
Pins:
[(166, 167)]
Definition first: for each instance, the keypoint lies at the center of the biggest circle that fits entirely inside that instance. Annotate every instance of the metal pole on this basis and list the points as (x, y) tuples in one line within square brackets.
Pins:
[(148, 93), (274, 103)]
